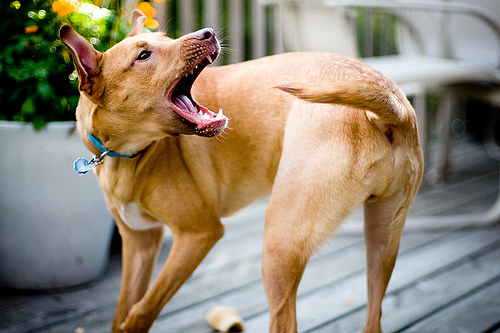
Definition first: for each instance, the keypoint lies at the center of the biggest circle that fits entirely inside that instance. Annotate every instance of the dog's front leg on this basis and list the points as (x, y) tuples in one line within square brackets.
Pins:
[(139, 251), (188, 250)]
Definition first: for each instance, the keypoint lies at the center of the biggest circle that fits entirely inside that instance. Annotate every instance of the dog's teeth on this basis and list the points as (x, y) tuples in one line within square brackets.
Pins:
[(196, 67), (192, 71), (209, 58), (220, 114)]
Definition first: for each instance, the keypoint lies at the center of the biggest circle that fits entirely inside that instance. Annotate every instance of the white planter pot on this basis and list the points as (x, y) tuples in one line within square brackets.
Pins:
[(55, 229)]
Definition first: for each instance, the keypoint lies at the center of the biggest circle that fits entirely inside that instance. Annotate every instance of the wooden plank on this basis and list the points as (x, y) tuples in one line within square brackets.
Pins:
[(93, 318), (447, 197), (198, 292), (104, 294), (457, 286), (480, 312), (110, 311), (251, 301), (339, 299)]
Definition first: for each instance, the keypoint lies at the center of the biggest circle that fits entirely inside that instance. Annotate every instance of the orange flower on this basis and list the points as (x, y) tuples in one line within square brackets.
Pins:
[(31, 29), (62, 7), (150, 13), (152, 23), (147, 9)]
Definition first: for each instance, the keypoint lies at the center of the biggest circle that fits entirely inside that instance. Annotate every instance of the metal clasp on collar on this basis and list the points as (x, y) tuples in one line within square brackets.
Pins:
[(99, 159)]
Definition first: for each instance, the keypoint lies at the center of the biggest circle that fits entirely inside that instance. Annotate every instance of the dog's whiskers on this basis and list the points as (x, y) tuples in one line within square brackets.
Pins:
[(220, 137), (223, 43)]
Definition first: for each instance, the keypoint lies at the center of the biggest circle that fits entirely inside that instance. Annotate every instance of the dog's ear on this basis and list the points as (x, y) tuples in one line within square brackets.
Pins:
[(138, 19), (85, 57)]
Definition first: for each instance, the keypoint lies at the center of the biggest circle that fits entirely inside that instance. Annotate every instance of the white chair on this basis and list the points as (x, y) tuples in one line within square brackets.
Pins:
[(442, 46)]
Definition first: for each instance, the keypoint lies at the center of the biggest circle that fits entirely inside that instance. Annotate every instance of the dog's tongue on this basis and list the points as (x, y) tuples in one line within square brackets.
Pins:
[(207, 122), (183, 102)]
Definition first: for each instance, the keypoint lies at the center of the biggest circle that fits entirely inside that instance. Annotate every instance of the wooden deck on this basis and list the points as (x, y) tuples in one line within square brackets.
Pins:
[(444, 281)]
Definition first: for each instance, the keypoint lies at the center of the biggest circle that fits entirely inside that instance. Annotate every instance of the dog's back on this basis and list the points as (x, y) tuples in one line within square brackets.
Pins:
[(343, 98)]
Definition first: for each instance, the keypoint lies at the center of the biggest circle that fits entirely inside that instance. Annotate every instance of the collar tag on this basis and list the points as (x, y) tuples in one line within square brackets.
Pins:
[(82, 166)]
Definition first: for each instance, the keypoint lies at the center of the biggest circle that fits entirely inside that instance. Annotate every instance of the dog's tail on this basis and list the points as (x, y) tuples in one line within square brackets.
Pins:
[(387, 105)]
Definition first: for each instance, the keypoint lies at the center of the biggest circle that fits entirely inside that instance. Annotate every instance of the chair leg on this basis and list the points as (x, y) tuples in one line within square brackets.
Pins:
[(445, 115), (419, 104)]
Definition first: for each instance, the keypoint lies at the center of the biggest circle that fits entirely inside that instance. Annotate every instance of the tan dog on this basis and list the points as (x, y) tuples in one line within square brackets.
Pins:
[(350, 138)]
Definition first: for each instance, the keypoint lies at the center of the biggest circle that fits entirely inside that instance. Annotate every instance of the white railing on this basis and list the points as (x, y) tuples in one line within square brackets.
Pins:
[(252, 28), (246, 28)]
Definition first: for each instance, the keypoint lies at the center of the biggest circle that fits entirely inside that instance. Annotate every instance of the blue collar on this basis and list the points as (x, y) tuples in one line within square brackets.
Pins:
[(99, 145), (82, 165)]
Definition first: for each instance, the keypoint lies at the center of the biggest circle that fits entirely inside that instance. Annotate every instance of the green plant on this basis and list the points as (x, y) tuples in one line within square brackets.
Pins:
[(38, 81)]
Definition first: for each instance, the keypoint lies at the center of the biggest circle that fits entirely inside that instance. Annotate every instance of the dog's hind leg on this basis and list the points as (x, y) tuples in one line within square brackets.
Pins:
[(283, 263), (384, 221), (139, 252), (311, 196), (295, 228)]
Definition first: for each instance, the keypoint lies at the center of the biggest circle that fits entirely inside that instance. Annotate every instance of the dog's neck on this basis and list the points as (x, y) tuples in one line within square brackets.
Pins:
[(102, 135), (99, 145)]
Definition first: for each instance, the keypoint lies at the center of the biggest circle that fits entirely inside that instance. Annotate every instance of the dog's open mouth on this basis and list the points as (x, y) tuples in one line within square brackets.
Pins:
[(207, 122)]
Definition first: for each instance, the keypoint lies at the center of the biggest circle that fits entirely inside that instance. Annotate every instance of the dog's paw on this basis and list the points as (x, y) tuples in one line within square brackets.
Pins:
[(137, 321)]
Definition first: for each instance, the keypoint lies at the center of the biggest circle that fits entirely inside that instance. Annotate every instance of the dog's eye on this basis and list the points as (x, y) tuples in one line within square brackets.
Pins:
[(144, 55)]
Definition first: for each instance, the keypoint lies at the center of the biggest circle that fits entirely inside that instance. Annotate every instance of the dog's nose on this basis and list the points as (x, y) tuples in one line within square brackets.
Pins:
[(205, 34)]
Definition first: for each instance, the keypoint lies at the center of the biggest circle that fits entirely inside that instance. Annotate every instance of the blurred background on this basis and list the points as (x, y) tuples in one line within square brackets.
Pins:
[(55, 231)]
